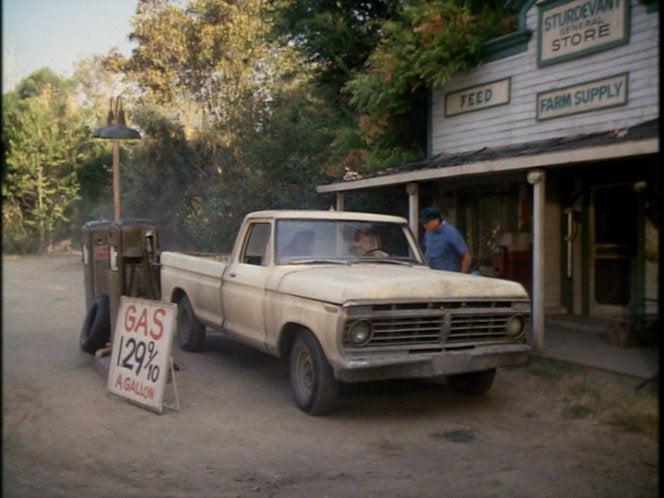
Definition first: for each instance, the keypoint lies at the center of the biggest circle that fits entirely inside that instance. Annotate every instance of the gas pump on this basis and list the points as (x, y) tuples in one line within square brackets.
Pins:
[(120, 258), (133, 264), (94, 254)]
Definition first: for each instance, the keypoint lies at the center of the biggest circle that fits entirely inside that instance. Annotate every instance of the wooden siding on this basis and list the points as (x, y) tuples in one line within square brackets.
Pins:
[(516, 122)]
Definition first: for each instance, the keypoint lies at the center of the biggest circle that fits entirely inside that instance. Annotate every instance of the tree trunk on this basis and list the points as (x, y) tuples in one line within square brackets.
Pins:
[(40, 208)]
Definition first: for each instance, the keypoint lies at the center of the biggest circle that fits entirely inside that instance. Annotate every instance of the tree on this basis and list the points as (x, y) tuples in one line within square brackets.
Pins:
[(45, 145), (208, 60), (422, 48), (211, 86), (376, 61), (335, 37)]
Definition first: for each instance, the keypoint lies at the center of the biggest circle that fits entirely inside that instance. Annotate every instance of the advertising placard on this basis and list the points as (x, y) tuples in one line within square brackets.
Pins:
[(141, 351), (478, 97), (584, 97), (573, 28), (101, 252)]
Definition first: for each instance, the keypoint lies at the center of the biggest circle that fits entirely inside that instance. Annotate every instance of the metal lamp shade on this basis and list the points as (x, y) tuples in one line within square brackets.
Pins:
[(117, 132)]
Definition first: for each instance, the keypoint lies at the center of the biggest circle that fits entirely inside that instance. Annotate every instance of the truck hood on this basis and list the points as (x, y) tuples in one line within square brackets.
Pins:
[(385, 282)]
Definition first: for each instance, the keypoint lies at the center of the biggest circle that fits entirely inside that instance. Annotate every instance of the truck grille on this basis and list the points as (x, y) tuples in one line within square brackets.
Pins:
[(433, 327), (464, 328), (407, 330)]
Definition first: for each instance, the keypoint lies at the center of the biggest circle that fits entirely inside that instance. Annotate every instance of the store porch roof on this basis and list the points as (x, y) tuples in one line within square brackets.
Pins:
[(637, 140)]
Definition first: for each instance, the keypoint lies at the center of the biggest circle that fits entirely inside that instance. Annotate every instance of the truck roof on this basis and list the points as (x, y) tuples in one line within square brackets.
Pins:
[(325, 215)]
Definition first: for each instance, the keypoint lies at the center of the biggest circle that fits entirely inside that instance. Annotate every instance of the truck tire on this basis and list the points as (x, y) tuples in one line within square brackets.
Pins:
[(312, 380), (190, 332), (476, 383), (97, 325)]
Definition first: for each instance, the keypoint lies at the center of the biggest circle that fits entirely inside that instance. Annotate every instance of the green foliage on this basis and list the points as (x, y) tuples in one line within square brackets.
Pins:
[(335, 37), (48, 155), (207, 59), (198, 191), (229, 120), (422, 48), (41, 81), (42, 154), (160, 175)]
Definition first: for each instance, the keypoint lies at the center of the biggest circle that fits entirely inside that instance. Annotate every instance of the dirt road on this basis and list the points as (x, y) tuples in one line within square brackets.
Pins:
[(541, 431)]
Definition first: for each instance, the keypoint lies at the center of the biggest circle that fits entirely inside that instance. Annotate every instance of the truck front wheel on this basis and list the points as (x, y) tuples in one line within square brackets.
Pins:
[(190, 332), (312, 381), (476, 383)]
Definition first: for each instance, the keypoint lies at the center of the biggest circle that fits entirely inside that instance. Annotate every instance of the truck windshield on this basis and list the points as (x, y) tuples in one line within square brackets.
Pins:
[(342, 240)]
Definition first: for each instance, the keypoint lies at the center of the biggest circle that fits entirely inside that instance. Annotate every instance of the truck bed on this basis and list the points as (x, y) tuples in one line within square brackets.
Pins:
[(198, 275)]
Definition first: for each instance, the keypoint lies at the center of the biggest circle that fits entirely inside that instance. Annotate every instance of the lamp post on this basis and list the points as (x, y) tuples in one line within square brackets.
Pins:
[(116, 129)]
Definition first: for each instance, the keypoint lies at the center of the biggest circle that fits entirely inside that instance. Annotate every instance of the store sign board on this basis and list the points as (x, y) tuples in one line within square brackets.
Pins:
[(568, 29), (477, 97), (584, 97), (141, 351)]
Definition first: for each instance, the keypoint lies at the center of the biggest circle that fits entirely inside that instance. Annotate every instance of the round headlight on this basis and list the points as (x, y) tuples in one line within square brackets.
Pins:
[(360, 333), (514, 326)]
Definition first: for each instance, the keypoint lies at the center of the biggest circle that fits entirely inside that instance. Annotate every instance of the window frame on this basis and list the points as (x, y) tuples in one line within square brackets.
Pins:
[(267, 260), (410, 238)]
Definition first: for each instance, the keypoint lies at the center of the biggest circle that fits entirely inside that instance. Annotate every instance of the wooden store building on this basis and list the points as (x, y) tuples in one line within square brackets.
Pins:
[(546, 159)]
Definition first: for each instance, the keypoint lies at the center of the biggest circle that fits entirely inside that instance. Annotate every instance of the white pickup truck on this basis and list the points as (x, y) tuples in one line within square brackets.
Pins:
[(349, 298)]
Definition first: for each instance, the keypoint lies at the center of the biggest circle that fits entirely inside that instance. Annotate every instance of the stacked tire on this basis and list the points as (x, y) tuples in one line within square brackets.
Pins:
[(96, 329)]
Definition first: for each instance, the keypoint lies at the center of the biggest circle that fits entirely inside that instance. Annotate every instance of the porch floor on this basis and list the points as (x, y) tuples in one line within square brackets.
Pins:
[(588, 347)]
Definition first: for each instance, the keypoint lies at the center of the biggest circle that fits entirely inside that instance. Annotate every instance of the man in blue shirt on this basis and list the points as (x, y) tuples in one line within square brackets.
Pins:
[(443, 246)]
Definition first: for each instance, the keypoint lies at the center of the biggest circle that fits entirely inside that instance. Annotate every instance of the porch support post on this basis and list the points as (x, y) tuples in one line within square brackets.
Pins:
[(537, 178), (413, 208), (341, 201)]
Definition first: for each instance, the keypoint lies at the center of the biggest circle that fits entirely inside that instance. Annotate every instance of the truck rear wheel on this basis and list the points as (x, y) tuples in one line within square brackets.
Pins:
[(476, 383), (190, 332), (312, 381)]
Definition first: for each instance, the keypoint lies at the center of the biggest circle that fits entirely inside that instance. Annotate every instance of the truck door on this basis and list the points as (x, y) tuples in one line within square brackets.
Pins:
[(243, 287)]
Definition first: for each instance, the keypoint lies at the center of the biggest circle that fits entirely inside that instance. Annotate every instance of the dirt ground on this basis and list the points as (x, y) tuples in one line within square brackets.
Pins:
[(544, 430)]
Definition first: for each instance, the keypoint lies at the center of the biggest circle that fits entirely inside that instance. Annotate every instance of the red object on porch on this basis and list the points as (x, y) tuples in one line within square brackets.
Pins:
[(514, 265)]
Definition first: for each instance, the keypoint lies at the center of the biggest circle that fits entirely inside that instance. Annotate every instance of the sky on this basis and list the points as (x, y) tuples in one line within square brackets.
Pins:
[(56, 33)]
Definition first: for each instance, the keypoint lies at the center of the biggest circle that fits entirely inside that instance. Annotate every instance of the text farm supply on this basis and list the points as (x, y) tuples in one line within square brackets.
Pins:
[(584, 97), (141, 352), (573, 28), (477, 97)]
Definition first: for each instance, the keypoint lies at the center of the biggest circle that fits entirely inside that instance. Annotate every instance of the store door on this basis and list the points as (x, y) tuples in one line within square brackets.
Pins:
[(613, 211)]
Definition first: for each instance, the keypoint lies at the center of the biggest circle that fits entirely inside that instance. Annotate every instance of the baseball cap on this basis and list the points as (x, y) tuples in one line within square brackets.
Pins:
[(428, 214)]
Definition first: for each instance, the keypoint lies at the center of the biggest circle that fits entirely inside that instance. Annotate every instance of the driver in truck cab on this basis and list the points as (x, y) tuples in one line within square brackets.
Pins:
[(368, 243)]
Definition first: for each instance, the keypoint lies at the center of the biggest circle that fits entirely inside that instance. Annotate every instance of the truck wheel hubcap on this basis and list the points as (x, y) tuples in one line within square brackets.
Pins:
[(304, 372)]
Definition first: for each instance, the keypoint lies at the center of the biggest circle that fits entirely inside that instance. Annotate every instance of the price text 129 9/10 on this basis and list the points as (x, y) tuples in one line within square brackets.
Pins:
[(140, 356)]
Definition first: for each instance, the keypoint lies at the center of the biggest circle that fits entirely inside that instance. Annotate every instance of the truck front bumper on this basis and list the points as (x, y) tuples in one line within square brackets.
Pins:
[(400, 366)]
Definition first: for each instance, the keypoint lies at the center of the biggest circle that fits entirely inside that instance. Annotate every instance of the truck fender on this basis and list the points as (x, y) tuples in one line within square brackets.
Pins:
[(287, 337)]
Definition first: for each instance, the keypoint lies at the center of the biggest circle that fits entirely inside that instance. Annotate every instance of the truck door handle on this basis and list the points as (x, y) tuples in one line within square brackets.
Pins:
[(232, 274)]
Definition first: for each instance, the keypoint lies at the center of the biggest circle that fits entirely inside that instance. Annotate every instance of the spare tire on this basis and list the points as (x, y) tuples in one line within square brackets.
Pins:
[(97, 325)]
